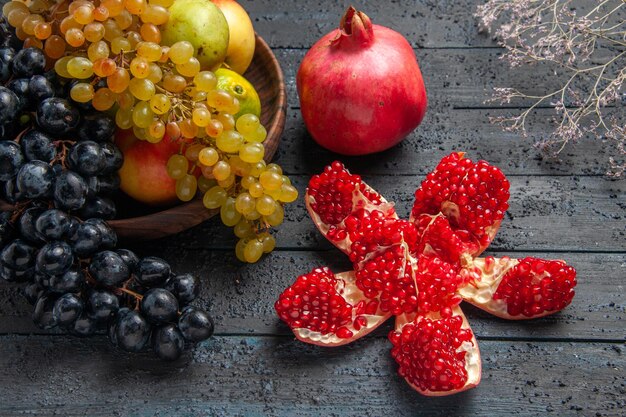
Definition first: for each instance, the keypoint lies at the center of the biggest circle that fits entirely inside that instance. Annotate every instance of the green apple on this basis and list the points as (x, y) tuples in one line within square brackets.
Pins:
[(203, 24)]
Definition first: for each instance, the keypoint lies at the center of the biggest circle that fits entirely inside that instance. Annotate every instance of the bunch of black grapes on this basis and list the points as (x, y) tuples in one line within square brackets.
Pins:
[(58, 169)]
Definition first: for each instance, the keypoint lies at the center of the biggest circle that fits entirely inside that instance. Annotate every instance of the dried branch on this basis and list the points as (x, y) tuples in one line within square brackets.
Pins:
[(586, 48)]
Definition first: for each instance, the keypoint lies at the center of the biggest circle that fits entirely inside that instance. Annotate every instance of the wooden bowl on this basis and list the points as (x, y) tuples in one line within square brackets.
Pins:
[(147, 223)]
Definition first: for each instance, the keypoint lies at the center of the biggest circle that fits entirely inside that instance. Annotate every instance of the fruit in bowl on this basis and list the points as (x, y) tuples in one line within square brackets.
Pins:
[(241, 41)]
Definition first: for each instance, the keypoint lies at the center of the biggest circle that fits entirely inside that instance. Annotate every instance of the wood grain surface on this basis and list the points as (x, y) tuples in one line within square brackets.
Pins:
[(570, 364)]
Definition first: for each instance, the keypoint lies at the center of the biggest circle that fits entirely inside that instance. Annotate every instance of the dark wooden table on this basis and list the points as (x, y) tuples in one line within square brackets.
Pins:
[(570, 364)]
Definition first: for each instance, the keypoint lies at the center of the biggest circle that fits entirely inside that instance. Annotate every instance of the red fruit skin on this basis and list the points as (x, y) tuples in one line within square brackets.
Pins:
[(357, 98)]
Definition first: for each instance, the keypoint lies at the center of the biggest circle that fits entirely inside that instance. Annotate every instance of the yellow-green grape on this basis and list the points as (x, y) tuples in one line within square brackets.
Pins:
[(245, 203), (205, 81), (120, 44), (228, 182), (98, 50), (186, 187), (275, 194), (253, 215), (160, 103), (177, 166), (229, 141), (277, 217), (174, 83), (227, 120), (257, 169), (271, 180), (112, 30), (269, 243), (125, 99), (253, 251), (103, 99), (155, 14), (180, 52), (286, 180), (257, 136), (215, 197), (234, 106), (124, 118), (188, 128), (256, 190), (94, 31), (140, 133), (60, 67), (288, 193), (142, 115), (124, 19), (252, 152), (205, 184), (140, 67), (244, 229), (82, 92), (192, 152), (266, 205), (156, 74), (150, 51), (247, 124), (133, 38), (239, 248), (274, 168), (142, 88), (201, 116), (220, 100), (247, 181), (214, 128), (208, 156), (79, 67), (189, 68), (230, 216), (239, 167), (156, 131)]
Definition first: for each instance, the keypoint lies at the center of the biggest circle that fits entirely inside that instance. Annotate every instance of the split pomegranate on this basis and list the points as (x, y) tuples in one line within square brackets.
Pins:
[(360, 87), (420, 271)]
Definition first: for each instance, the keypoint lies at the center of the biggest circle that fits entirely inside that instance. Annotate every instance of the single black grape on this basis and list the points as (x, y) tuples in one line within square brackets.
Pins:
[(35, 179), (108, 184), (32, 292), (185, 287), (86, 240), (84, 326), (57, 116), (132, 331), (108, 268), (97, 127), (40, 88), (167, 342), (54, 258), (87, 158), (38, 145), (113, 158), (129, 257), (195, 325), (98, 207), (6, 57), (11, 159), (67, 309), (9, 105), (102, 305), (42, 314), (20, 87), (112, 325), (28, 62), (70, 190), (53, 224), (159, 306), (27, 225), (10, 192), (153, 271), (93, 187), (108, 235), (18, 255), (71, 281)]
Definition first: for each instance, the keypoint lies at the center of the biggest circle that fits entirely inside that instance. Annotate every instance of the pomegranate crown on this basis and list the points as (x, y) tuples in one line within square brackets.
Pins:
[(355, 27)]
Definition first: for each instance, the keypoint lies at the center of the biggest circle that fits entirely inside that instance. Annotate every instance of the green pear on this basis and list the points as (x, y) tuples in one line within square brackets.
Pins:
[(204, 25)]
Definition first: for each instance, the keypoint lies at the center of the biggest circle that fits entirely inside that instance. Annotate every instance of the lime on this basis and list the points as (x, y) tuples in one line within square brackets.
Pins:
[(240, 88)]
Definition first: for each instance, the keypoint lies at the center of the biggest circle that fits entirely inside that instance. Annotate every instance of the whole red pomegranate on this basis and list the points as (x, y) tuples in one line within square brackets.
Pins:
[(361, 89)]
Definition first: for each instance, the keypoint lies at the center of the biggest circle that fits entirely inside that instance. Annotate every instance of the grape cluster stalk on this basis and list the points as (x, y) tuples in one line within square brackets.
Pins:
[(58, 170)]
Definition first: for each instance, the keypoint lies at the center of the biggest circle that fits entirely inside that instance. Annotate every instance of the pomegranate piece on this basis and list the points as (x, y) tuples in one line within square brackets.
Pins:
[(473, 196), (327, 309), (438, 282), (520, 288), (437, 354)]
